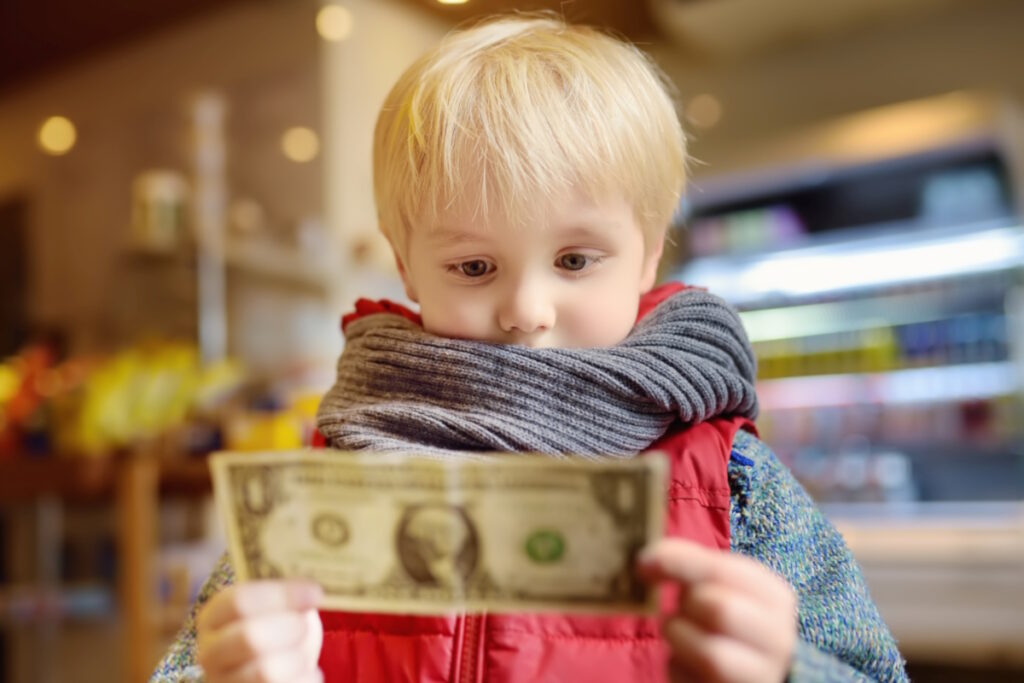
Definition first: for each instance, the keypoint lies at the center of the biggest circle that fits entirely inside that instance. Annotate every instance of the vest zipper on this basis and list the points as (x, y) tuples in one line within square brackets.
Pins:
[(469, 653)]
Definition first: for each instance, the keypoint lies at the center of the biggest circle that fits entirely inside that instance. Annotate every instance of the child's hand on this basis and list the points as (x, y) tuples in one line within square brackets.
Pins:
[(261, 632), (736, 619)]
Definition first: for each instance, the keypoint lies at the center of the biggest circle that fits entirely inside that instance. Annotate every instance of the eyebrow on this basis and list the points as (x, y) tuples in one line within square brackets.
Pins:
[(586, 229), (577, 230), (448, 236)]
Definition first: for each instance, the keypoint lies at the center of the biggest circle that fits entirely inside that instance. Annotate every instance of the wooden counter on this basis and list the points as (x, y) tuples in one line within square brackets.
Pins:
[(947, 578), (134, 484)]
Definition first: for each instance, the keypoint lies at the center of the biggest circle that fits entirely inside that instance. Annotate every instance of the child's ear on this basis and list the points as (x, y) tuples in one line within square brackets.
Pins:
[(650, 269), (404, 274)]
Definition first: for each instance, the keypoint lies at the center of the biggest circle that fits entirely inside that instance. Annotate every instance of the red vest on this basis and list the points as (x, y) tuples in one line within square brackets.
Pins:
[(501, 648)]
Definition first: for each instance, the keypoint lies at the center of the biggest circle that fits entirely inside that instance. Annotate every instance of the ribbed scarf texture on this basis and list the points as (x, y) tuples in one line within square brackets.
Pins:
[(401, 388)]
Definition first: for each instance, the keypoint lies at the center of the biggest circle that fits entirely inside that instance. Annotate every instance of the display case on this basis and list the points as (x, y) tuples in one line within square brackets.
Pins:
[(883, 298)]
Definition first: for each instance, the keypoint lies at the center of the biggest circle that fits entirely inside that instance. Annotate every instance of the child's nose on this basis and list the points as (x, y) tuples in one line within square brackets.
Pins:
[(526, 309)]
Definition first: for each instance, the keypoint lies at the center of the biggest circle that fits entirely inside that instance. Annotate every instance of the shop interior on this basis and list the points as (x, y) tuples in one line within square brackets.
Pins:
[(186, 210)]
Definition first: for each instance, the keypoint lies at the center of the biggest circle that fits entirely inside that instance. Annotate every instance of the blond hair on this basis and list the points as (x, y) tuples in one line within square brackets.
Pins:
[(505, 118)]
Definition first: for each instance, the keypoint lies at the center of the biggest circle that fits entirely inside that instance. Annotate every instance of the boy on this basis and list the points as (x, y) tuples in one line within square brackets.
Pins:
[(525, 172)]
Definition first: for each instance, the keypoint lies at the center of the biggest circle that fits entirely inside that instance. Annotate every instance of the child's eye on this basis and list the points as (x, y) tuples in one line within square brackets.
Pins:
[(475, 268), (574, 261)]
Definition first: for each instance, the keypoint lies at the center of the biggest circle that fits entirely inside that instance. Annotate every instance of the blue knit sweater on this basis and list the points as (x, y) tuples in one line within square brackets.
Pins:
[(773, 520)]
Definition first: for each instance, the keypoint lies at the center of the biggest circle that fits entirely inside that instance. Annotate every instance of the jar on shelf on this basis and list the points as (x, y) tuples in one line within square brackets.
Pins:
[(158, 210)]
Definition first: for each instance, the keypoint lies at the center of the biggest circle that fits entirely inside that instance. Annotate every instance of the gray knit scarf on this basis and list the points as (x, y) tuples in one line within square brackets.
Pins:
[(400, 388)]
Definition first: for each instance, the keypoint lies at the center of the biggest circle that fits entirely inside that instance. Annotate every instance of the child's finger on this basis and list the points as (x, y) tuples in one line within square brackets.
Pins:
[(315, 630), (258, 598), (722, 610), (675, 559), (243, 640), (314, 676), (711, 657), (280, 667), (677, 673)]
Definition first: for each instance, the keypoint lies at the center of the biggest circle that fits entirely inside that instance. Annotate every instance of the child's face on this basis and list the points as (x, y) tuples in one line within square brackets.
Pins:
[(573, 282)]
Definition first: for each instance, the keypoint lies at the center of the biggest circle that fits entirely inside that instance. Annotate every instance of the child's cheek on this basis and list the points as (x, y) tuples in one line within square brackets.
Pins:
[(599, 326), (456, 319), (615, 315)]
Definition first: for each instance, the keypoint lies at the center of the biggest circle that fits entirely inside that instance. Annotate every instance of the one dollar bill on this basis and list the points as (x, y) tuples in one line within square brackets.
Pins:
[(390, 533)]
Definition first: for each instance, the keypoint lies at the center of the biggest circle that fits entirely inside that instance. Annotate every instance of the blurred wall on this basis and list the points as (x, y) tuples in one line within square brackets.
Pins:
[(130, 109), (358, 73)]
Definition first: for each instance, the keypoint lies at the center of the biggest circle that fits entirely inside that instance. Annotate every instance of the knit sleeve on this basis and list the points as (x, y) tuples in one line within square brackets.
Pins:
[(179, 664), (841, 636)]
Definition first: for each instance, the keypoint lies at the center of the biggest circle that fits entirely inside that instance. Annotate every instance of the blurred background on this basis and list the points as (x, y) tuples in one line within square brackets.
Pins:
[(186, 209)]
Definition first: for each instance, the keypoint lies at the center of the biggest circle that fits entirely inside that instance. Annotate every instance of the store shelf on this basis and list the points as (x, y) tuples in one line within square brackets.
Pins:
[(25, 478), (808, 320), (155, 256), (896, 267), (85, 478), (132, 483), (187, 476), (911, 386), (947, 577), (30, 604), (258, 258), (808, 174), (917, 516), (847, 262), (967, 534), (277, 262)]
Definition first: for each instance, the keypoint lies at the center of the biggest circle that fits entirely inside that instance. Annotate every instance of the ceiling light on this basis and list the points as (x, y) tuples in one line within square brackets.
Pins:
[(704, 111), (334, 23), (57, 135), (300, 144)]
